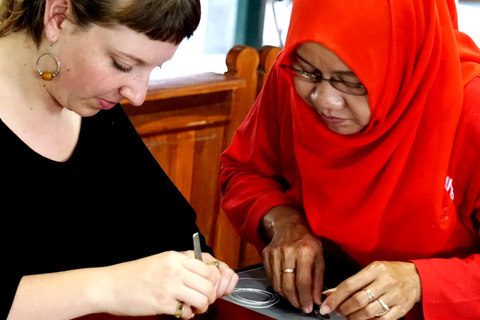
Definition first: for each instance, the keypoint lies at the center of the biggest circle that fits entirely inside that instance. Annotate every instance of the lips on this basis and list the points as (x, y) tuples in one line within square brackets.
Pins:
[(331, 120), (106, 105)]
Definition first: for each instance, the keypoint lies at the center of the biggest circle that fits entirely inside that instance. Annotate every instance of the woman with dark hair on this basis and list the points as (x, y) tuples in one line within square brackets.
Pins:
[(90, 222), (364, 145)]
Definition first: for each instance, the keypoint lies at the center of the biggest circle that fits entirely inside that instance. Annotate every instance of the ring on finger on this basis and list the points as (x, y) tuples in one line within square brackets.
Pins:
[(214, 263), (386, 309), (288, 270), (179, 310), (370, 295)]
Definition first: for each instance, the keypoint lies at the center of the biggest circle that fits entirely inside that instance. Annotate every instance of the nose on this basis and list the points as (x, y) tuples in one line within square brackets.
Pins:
[(135, 89), (325, 97)]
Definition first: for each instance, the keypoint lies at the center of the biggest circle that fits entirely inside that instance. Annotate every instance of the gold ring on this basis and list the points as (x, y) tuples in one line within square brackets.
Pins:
[(288, 270), (179, 310), (371, 297), (214, 263), (386, 309)]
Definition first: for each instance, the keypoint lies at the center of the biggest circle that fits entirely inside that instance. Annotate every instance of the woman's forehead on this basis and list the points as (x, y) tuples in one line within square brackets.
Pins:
[(319, 56)]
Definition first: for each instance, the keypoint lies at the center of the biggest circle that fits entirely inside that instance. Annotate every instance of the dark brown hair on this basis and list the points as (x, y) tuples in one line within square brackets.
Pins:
[(164, 20)]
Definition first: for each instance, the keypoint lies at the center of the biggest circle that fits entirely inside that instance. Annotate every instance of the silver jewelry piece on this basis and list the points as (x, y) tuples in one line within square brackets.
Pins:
[(371, 297), (386, 309), (48, 75)]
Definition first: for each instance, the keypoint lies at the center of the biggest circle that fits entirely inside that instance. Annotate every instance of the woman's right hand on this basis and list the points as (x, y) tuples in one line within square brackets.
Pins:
[(293, 246), (156, 284)]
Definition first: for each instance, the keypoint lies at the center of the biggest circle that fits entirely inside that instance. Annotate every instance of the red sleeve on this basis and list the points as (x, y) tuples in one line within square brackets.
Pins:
[(451, 287), (251, 177)]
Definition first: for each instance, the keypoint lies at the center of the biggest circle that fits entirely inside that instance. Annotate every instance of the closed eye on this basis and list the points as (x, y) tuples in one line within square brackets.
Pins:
[(313, 76), (351, 84), (118, 66)]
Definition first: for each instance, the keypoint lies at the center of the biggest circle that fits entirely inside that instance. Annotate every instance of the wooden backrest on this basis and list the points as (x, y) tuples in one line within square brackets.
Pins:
[(186, 123)]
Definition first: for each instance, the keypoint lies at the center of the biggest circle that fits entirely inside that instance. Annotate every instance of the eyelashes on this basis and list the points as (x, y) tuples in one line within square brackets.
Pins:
[(120, 67)]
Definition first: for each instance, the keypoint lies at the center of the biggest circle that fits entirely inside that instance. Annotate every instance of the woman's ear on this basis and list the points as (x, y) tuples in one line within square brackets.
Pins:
[(55, 15)]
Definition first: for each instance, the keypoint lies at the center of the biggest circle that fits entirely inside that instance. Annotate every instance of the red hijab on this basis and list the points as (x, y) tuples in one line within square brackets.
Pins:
[(380, 194)]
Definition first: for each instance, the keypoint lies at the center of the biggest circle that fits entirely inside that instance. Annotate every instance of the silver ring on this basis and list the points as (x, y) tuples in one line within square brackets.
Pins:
[(288, 270), (371, 297), (386, 309)]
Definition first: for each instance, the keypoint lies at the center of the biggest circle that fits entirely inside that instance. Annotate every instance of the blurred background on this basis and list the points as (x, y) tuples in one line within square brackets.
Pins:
[(226, 23)]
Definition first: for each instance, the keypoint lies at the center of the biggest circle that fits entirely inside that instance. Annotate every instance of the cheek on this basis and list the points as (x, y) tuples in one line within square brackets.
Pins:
[(304, 92), (360, 110), (85, 76)]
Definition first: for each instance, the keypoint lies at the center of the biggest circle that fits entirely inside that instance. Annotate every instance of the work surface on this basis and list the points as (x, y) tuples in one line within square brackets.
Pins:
[(254, 292), (253, 299)]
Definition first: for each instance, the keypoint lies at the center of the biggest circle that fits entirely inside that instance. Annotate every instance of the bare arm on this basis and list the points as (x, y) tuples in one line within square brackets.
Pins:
[(148, 286)]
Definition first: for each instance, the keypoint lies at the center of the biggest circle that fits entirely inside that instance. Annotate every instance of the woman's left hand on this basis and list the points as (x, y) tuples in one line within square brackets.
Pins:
[(382, 290)]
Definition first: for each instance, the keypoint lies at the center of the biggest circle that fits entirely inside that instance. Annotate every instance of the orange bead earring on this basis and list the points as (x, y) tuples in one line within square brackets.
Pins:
[(48, 76)]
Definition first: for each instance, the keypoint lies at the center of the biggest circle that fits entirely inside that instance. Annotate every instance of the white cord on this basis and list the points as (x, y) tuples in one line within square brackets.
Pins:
[(270, 298)]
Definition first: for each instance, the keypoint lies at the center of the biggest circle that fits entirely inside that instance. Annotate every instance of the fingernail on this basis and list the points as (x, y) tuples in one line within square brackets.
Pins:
[(324, 310), (307, 310)]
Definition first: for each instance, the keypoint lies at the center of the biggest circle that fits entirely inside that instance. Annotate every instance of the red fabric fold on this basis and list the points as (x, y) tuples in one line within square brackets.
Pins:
[(361, 185), (407, 187)]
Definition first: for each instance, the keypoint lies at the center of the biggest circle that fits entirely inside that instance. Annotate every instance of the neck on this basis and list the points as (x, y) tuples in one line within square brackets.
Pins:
[(19, 78), (26, 105)]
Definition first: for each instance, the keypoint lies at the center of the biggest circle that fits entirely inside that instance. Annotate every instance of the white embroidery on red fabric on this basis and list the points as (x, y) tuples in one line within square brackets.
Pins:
[(449, 186)]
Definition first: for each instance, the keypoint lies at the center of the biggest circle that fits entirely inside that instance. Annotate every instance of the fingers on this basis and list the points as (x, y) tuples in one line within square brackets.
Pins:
[(273, 269), (219, 273), (202, 286), (318, 272), (384, 290), (289, 276), (378, 309), (295, 270), (310, 269), (345, 290), (228, 280)]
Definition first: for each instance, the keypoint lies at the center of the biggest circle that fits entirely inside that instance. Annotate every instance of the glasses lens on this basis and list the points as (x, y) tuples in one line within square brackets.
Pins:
[(348, 87), (300, 74)]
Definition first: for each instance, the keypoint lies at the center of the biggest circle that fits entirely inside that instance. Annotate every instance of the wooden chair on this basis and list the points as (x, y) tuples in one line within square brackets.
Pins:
[(186, 123)]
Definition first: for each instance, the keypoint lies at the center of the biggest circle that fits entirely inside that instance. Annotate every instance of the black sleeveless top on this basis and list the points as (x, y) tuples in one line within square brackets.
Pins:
[(110, 202)]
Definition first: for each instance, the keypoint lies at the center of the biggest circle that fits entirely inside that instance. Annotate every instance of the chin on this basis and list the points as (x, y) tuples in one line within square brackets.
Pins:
[(91, 113), (344, 131), (86, 112)]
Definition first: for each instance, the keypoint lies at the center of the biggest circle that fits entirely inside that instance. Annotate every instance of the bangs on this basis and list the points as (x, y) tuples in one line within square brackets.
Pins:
[(164, 20)]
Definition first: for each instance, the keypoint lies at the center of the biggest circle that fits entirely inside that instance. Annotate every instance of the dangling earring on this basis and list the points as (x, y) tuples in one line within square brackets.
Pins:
[(48, 76)]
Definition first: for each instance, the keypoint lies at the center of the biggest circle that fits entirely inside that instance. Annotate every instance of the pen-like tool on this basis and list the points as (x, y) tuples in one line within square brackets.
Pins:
[(196, 246)]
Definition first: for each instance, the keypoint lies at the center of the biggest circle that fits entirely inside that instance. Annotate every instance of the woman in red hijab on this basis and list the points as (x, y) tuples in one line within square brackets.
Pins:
[(365, 144)]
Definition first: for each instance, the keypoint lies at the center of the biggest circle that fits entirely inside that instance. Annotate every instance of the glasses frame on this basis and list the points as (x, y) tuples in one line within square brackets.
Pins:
[(316, 78)]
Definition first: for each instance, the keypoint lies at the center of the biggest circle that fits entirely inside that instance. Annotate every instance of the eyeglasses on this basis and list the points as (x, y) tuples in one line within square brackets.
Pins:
[(352, 88)]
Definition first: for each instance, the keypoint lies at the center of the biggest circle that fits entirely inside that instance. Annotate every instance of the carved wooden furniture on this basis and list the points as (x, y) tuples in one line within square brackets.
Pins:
[(187, 122)]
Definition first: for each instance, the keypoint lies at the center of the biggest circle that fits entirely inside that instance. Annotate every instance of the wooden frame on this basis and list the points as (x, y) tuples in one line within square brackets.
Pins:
[(187, 122)]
